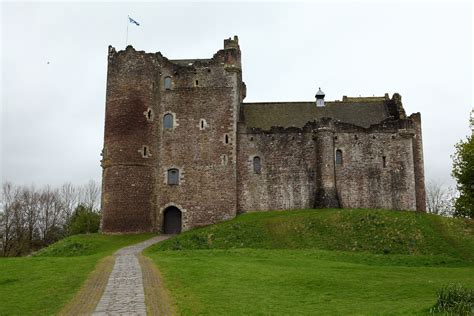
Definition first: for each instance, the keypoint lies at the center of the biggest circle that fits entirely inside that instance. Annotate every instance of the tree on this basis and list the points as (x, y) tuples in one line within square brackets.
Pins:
[(90, 194), (439, 200), (84, 220), (69, 195), (9, 198), (463, 172)]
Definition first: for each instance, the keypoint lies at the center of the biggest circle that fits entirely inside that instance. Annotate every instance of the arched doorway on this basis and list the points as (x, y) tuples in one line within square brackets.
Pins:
[(172, 220)]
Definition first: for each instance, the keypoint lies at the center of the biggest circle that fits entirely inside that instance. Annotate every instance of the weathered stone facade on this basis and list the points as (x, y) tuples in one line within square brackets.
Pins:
[(179, 140)]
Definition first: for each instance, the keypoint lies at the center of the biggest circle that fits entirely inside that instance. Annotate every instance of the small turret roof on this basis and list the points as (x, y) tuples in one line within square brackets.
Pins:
[(320, 93)]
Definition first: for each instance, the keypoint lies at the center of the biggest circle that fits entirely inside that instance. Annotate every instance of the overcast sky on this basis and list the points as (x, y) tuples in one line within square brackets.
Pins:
[(54, 62)]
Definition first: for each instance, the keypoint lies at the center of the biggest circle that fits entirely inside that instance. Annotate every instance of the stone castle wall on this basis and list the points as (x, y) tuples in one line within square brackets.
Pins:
[(213, 149), (202, 145), (299, 168), (364, 180), (288, 171)]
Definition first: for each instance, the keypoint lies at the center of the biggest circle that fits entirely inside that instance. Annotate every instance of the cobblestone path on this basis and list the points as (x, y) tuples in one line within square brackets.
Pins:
[(124, 294)]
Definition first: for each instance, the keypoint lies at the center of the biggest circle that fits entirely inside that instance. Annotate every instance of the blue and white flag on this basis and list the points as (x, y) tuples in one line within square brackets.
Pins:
[(133, 21)]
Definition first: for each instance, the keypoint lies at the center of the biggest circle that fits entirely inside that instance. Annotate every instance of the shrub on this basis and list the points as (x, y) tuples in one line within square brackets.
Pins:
[(454, 299), (84, 220)]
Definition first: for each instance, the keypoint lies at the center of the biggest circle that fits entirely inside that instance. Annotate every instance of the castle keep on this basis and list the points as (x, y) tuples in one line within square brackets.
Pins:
[(182, 149)]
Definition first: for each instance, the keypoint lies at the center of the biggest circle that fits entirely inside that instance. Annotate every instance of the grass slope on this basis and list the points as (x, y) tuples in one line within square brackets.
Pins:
[(44, 283), (317, 261)]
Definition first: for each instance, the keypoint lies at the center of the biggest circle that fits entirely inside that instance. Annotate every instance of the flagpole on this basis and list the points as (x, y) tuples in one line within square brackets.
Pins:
[(126, 39)]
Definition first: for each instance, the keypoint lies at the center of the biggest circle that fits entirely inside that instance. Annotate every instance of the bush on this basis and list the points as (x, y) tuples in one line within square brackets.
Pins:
[(454, 299), (84, 220)]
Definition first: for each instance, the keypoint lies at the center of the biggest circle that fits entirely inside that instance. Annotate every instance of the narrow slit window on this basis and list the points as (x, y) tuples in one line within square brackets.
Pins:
[(168, 121), (226, 139), (167, 83), (257, 165), (339, 157), (202, 124), (148, 114), (145, 151), (173, 176), (197, 83), (224, 160), (384, 161)]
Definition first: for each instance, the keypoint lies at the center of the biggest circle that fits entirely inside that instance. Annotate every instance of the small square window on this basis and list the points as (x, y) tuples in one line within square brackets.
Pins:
[(173, 176)]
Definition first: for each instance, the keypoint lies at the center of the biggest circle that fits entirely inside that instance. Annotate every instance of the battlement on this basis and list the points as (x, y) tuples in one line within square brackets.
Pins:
[(228, 57), (231, 43), (362, 99)]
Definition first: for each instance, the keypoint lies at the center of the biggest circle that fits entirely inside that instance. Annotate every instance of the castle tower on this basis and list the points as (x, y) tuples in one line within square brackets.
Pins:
[(130, 149), (169, 158)]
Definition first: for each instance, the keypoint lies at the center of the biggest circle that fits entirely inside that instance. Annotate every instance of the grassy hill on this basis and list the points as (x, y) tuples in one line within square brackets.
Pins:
[(374, 231), (317, 261), (42, 284)]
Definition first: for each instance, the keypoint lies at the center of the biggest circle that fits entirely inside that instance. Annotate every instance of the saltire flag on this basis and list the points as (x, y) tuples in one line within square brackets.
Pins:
[(133, 21)]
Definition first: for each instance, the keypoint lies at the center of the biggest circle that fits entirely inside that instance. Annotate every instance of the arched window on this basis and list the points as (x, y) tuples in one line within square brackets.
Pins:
[(257, 165), (339, 157), (168, 120), (167, 83), (173, 176)]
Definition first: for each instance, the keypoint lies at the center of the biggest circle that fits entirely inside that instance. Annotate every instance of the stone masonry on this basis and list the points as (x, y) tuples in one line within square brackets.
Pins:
[(182, 148)]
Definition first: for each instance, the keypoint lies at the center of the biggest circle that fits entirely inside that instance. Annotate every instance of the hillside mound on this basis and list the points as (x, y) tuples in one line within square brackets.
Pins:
[(90, 244), (374, 231)]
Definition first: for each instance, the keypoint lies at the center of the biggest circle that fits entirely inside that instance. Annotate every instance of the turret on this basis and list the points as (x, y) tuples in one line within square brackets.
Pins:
[(232, 54), (320, 98)]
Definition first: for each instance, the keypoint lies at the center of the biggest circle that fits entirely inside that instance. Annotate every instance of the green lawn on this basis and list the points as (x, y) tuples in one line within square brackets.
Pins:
[(44, 283), (342, 262)]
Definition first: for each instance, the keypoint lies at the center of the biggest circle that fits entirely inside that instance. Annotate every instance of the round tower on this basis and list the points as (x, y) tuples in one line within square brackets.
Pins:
[(129, 154)]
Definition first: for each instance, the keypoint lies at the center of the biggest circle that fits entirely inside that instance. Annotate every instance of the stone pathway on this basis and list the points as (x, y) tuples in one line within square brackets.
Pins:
[(124, 294)]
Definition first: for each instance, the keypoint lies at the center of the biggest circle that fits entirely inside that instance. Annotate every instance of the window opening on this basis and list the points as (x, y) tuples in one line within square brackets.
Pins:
[(168, 121), (173, 176), (167, 83), (257, 166), (339, 157)]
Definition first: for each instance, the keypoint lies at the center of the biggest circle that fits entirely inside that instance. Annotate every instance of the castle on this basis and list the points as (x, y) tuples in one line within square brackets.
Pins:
[(182, 149)]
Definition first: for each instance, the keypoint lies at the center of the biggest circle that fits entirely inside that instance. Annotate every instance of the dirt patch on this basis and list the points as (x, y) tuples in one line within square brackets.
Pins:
[(157, 298), (85, 301)]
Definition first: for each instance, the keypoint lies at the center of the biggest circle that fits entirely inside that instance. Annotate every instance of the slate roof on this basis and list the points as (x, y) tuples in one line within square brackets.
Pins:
[(287, 114)]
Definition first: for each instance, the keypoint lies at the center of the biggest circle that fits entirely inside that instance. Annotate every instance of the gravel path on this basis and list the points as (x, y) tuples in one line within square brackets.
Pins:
[(124, 293)]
